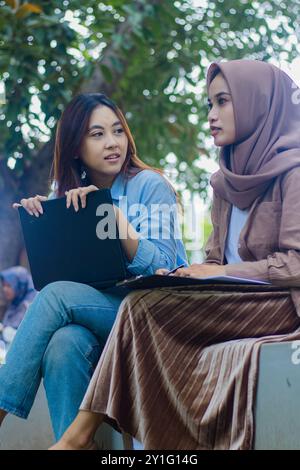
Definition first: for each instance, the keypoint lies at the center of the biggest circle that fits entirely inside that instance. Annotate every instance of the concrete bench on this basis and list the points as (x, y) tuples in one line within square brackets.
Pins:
[(33, 433), (277, 409)]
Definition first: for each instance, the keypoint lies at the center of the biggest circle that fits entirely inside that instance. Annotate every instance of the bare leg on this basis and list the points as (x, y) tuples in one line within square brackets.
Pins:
[(80, 434), (2, 415)]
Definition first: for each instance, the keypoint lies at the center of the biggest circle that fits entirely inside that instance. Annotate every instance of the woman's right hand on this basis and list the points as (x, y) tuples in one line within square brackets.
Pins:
[(32, 205), (162, 271)]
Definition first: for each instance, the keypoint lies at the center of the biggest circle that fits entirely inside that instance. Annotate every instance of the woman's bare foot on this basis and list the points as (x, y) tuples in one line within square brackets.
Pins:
[(80, 434)]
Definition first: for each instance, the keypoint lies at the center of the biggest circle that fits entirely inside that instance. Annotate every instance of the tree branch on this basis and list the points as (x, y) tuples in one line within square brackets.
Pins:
[(98, 82)]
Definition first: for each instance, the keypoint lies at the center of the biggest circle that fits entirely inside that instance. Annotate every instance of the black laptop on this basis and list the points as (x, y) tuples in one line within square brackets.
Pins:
[(65, 245)]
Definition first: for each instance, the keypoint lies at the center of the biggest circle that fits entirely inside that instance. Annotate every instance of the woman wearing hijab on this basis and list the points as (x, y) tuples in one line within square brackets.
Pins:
[(179, 370), (19, 293)]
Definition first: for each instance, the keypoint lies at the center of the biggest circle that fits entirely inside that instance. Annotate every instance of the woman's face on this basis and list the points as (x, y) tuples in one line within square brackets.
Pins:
[(104, 147), (8, 291), (221, 116)]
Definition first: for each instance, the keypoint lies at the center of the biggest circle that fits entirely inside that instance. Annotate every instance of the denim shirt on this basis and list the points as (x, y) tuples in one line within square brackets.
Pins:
[(149, 204)]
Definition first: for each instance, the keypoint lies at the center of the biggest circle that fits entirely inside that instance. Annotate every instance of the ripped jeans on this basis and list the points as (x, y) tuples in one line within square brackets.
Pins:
[(60, 339)]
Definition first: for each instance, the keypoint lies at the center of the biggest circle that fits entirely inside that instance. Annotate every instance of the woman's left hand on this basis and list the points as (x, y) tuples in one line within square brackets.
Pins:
[(201, 270), (73, 195)]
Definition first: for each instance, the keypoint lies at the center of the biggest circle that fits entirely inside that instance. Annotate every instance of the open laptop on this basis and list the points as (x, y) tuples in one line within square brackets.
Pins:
[(64, 245)]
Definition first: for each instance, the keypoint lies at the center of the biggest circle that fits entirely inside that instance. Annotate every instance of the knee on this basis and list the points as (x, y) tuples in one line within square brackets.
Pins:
[(54, 297), (55, 289), (69, 346), (131, 299)]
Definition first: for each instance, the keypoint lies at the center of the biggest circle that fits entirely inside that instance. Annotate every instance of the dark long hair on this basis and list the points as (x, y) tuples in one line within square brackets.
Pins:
[(72, 128)]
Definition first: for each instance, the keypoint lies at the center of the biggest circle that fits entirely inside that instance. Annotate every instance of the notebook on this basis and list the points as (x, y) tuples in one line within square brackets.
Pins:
[(156, 280), (64, 245)]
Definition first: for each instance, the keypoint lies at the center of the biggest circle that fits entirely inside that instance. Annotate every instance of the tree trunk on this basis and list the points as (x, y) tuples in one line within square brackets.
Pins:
[(35, 180), (10, 233)]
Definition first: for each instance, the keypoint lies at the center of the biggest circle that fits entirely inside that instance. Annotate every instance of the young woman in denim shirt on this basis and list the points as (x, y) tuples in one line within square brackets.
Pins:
[(65, 329)]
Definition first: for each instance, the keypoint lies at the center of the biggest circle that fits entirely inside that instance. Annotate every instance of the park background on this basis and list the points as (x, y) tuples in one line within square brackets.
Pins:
[(151, 57)]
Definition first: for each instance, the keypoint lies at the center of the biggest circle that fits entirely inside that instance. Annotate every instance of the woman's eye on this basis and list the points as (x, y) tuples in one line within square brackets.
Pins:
[(120, 131), (98, 134), (209, 105), (221, 101)]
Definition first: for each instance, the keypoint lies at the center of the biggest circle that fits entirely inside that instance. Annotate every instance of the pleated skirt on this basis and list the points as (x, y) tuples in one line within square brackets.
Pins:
[(179, 370)]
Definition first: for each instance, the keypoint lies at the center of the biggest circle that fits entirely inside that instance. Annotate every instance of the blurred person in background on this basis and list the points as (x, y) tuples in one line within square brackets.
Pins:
[(18, 293)]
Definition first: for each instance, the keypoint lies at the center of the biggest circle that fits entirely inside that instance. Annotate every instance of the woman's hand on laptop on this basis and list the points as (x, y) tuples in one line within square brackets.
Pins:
[(32, 205), (201, 270), (162, 271), (73, 195)]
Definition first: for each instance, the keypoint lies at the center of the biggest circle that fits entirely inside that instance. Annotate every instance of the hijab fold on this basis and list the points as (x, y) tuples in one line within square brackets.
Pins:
[(267, 124)]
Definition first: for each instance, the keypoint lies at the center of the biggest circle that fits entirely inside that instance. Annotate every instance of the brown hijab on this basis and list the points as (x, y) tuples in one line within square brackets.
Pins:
[(267, 122)]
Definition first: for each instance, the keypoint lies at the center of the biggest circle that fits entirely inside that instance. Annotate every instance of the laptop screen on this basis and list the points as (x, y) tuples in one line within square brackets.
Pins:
[(81, 246)]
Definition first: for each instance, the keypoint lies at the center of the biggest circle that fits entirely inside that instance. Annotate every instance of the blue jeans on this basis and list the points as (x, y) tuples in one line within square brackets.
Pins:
[(60, 338)]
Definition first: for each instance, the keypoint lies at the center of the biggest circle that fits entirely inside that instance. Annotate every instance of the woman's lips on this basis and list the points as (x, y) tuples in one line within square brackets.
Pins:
[(112, 158), (215, 131)]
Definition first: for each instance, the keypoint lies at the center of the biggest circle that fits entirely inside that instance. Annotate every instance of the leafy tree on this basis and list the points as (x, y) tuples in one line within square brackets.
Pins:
[(148, 55)]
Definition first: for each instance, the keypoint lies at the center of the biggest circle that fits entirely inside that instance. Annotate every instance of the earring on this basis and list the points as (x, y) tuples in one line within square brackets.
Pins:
[(83, 173)]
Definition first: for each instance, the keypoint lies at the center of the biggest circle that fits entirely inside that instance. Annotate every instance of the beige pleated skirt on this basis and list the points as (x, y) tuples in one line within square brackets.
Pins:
[(179, 369)]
